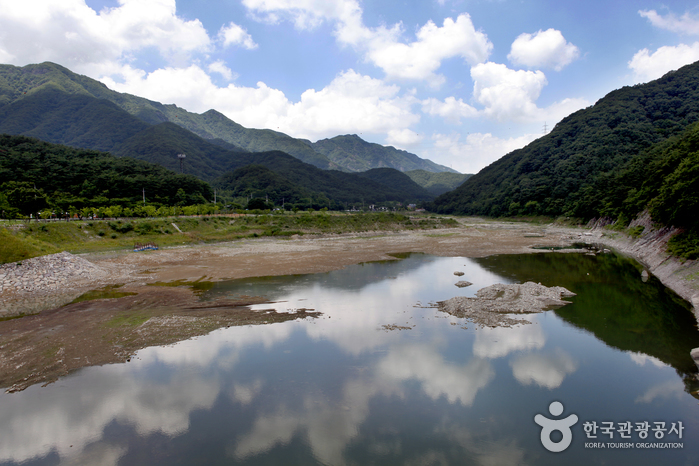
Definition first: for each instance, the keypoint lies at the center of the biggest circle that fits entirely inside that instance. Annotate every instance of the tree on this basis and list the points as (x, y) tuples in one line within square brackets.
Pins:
[(258, 203)]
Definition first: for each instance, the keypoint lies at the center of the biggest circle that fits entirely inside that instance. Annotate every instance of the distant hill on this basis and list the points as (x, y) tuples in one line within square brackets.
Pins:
[(336, 186), (257, 181), (562, 172), (399, 181), (355, 154), (19, 83), (437, 183)]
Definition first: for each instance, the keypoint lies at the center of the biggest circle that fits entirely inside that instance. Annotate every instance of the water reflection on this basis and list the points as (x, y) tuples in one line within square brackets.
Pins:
[(342, 390), (499, 342), (544, 369)]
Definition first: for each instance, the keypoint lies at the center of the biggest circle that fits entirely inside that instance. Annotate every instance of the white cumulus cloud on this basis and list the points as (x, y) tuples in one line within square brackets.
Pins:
[(686, 24), (507, 94), (232, 34), (647, 65), (421, 59), (350, 103), (451, 109), (543, 49), (382, 46), (403, 137), (510, 95), (221, 68), (73, 34), (476, 152)]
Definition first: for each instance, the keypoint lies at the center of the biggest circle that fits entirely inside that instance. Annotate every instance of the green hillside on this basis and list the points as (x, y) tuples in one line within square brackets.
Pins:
[(73, 119), (560, 173), (257, 181), (437, 183), (355, 154), (338, 187), (161, 143), (259, 140), (399, 181), (35, 175)]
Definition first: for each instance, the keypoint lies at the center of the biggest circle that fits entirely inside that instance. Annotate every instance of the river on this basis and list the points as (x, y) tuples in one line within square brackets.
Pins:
[(383, 377)]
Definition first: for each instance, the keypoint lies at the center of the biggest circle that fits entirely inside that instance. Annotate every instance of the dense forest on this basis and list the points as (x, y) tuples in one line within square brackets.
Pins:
[(36, 175), (332, 189), (558, 173), (437, 183), (352, 153)]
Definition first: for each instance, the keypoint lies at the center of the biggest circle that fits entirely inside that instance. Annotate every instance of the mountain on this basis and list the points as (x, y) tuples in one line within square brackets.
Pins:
[(76, 120), (19, 83), (257, 181), (335, 186), (437, 183), (561, 173), (355, 154), (399, 181), (162, 142)]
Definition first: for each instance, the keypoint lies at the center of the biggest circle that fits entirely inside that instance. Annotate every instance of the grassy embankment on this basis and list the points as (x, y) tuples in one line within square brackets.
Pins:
[(20, 241)]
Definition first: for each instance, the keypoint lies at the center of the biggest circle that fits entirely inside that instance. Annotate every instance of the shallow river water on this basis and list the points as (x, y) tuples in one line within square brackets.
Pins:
[(384, 378)]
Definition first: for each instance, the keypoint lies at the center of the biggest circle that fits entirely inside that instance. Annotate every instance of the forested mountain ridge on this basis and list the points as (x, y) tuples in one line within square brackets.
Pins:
[(35, 175), (334, 187), (437, 183), (19, 83), (355, 154), (77, 120), (561, 172)]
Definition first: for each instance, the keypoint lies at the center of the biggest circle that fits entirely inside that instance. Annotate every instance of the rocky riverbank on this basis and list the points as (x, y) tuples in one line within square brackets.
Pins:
[(43, 282), (650, 249)]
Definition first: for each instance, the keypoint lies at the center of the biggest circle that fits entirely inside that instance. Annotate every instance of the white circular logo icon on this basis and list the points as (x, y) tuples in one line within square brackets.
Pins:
[(548, 426)]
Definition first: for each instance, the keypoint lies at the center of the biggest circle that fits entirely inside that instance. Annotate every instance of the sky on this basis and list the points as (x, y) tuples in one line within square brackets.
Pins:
[(461, 82)]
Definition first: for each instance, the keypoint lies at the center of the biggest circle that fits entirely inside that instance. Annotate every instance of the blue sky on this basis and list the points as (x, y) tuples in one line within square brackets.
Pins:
[(460, 82)]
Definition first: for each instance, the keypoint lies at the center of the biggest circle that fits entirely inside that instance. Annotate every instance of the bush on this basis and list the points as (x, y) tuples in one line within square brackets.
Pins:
[(119, 228), (685, 245), (636, 231), (144, 228)]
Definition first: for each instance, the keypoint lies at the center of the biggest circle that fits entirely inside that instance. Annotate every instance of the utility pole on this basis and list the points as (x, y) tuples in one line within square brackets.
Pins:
[(181, 157), (545, 128)]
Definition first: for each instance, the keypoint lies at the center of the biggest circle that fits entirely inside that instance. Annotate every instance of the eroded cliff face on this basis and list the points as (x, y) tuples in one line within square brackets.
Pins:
[(650, 249)]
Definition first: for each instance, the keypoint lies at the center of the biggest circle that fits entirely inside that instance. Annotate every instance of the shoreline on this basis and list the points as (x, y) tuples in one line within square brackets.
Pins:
[(270, 256)]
